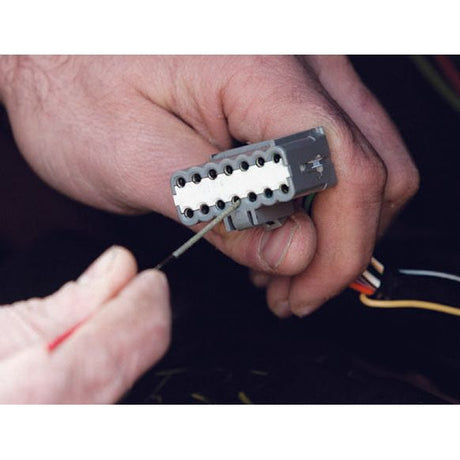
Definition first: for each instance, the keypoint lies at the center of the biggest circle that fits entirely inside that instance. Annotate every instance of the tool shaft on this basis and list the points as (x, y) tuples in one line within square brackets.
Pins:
[(195, 238)]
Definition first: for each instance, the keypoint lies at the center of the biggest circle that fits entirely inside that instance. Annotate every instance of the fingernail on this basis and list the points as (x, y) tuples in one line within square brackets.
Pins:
[(274, 245), (304, 311), (101, 266), (282, 308)]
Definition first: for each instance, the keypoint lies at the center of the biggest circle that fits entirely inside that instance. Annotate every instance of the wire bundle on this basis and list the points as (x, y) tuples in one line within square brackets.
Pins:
[(443, 75), (408, 288), (368, 283)]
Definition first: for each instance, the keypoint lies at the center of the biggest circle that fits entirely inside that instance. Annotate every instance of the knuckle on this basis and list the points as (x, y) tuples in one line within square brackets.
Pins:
[(68, 291), (32, 73), (260, 72), (34, 303), (374, 174), (411, 184), (9, 67), (279, 81), (368, 175), (340, 134), (256, 66), (358, 163), (71, 295), (404, 184)]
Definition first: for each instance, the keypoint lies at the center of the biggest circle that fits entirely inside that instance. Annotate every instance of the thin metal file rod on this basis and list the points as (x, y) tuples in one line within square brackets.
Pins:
[(195, 238)]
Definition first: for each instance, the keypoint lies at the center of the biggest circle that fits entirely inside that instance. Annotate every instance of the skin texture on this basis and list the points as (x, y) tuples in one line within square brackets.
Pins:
[(125, 331), (109, 131)]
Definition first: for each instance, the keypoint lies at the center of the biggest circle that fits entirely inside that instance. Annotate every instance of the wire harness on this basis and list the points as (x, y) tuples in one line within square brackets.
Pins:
[(408, 288)]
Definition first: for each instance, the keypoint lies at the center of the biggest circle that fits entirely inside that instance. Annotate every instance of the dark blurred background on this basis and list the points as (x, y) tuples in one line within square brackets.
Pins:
[(227, 347)]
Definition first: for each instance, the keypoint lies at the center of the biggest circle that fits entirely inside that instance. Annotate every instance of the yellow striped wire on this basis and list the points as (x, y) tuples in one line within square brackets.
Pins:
[(450, 310), (377, 265)]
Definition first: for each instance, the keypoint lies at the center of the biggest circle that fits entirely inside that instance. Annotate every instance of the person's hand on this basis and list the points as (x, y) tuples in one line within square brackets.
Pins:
[(123, 328), (109, 131)]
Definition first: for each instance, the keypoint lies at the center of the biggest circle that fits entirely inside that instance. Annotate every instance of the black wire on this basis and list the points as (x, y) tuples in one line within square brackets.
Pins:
[(396, 285)]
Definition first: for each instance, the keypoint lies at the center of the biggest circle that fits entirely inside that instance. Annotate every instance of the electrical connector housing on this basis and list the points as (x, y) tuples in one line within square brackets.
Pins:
[(267, 177)]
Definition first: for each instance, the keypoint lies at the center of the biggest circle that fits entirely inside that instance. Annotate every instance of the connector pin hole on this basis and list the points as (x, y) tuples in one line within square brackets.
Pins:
[(252, 196), (244, 166), (284, 188)]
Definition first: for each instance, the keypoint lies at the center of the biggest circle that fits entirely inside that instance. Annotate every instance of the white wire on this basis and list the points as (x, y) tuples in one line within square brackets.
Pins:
[(447, 276), (364, 281), (375, 282)]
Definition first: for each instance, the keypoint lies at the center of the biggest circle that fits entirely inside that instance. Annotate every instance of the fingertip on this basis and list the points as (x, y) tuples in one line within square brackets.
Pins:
[(259, 279), (278, 296), (156, 278), (126, 261), (103, 280), (302, 310), (126, 255), (306, 295), (281, 309), (113, 259), (151, 284)]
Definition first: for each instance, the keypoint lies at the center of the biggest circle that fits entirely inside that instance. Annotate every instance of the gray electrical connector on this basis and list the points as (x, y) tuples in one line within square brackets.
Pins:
[(266, 177)]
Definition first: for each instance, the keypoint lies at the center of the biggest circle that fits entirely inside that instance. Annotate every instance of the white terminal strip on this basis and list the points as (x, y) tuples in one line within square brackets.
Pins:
[(240, 183)]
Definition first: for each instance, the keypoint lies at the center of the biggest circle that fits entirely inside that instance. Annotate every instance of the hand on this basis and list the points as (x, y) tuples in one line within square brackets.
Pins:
[(123, 330), (109, 131)]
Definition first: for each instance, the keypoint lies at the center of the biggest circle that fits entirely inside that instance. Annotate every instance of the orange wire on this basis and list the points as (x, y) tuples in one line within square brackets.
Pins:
[(360, 288), (450, 71)]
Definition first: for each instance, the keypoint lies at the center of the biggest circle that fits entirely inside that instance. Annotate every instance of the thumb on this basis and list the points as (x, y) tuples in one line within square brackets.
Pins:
[(286, 250)]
